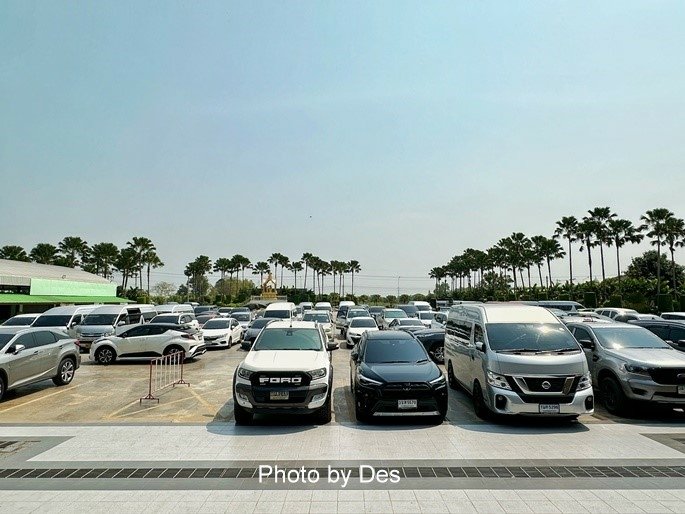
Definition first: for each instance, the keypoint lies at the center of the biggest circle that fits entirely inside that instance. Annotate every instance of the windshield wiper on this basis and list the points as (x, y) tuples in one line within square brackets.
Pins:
[(396, 362), (422, 360), (520, 350), (564, 350)]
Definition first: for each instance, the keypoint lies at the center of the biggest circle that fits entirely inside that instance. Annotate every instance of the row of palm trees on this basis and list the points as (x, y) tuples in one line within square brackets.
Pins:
[(138, 255), (319, 268), (600, 228)]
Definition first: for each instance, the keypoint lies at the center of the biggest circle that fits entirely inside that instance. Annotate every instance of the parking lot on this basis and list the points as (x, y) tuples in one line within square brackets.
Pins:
[(111, 394)]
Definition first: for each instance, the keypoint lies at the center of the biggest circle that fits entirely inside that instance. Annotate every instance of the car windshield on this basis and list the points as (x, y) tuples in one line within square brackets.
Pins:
[(356, 314), (392, 314), (99, 319), (533, 337), (617, 338), (217, 323), (289, 339), (390, 351), (362, 323), (52, 320), (321, 317), (426, 315), (241, 316), (5, 338), (259, 323), (277, 314), (18, 322), (423, 308), (410, 322), (171, 318)]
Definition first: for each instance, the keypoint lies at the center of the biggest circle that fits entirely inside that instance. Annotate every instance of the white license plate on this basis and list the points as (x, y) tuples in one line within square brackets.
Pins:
[(549, 408), (681, 389), (407, 404), (279, 395)]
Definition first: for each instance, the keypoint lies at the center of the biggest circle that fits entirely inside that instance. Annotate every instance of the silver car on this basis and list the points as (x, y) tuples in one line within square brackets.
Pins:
[(32, 355), (628, 362)]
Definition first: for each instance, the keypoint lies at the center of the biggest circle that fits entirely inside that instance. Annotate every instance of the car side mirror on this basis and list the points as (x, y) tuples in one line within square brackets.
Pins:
[(121, 323), (332, 346), (480, 346), (587, 344), (16, 349), (354, 356), (681, 342), (73, 324)]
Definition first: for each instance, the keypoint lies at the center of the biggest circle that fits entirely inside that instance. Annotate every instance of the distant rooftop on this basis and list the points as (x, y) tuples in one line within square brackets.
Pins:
[(20, 273)]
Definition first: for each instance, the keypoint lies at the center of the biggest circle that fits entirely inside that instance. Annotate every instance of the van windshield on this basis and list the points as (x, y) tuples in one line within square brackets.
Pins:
[(277, 314), (99, 319), (530, 337), (52, 320)]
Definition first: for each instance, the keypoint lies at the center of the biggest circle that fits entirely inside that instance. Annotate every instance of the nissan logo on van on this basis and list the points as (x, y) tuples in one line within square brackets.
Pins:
[(280, 380), (546, 385)]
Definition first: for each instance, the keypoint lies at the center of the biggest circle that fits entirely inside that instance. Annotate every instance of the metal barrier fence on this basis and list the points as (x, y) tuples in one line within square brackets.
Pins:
[(164, 372)]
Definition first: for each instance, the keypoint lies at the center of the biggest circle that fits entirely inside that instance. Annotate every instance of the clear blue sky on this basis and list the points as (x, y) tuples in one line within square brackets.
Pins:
[(395, 133)]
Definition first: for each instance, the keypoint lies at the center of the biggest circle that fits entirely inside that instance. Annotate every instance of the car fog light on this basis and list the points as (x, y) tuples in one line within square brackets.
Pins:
[(318, 397), (500, 402), (589, 403), (242, 397)]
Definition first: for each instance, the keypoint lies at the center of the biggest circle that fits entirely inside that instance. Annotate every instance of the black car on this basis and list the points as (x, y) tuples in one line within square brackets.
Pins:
[(391, 374), (673, 332), (433, 340), (411, 311)]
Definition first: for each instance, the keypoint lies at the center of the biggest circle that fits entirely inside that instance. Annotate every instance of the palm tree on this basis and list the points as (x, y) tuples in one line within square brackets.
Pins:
[(567, 228), (353, 267), (438, 273), (586, 233), (197, 269), (620, 232), (306, 258), (551, 250), (104, 256), (73, 248), (222, 265), (44, 253), (674, 234), (283, 262), (126, 264), (601, 217), (538, 254), (275, 259), (152, 261), (260, 268), (141, 245), (324, 269), (14, 253), (655, 221), (295, 267), (243, 262)]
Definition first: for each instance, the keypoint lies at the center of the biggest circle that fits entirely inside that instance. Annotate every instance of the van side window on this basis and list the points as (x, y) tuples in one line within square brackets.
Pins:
[(133, 317), (478, 334)]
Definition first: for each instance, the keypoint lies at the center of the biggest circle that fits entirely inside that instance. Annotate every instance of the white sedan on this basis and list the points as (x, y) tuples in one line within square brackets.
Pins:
[(323, 318), (222, 332), (357, 327)]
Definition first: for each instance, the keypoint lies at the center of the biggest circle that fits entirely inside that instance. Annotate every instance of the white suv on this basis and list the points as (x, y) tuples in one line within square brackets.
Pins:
[(287, 371)]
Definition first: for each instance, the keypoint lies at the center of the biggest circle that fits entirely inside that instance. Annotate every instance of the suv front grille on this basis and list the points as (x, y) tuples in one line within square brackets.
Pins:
[(668, 375), (405, 389), (280, 379)]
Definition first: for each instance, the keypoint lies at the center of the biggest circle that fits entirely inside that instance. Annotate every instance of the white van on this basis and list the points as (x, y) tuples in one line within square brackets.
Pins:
[(516, 359), (65, 318), (323, 306), (281, 310), (107, 320), (346, 303), (421, 305), (174, 308)]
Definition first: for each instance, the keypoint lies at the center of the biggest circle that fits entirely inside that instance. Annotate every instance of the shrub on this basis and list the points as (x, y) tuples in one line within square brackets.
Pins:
[(590, 299), (664, 303), (615, 300)]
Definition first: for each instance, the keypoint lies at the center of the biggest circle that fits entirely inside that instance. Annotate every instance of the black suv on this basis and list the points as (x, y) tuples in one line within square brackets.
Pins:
[(673, 332), (391, 374)]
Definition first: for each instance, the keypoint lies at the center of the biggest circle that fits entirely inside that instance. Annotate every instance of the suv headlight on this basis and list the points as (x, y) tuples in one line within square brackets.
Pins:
[(244, 373), (633, 368), (367, 381), (440, 381), (496, 380), (317, 373), (585, 382)]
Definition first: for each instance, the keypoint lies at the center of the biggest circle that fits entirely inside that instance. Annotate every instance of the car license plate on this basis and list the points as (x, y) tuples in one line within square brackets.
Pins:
[(407, 404), (549, 408), (279, 395), (681, 389)]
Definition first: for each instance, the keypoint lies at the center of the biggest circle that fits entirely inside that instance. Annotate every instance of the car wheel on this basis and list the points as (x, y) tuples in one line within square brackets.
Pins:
[(613, 396), (65, 372), (451, 379), (230, 342), (437, 353), (479, 406), (172, 349), (359, 413), (105, 356), (242, 416), (2, 387), (324, 414)]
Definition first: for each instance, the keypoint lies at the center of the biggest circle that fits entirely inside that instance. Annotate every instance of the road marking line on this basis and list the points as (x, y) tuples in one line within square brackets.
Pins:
[(59, 391), (149, 408), (201, 399)]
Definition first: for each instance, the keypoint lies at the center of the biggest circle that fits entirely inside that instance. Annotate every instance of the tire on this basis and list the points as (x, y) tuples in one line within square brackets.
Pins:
[(3, 387), (437, 353), (451, 379), (361, 415), (242, 417), (105, 356), (65, 372), (479, 406), (230, 342), (324, 414), (171, 349), (613, 396)]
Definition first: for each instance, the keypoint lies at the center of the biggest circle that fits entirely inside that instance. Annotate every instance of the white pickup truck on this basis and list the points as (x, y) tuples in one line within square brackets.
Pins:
[(287, 371)]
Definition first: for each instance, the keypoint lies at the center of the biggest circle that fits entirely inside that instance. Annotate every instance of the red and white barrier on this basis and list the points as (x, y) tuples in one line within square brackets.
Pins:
[(165, 372)]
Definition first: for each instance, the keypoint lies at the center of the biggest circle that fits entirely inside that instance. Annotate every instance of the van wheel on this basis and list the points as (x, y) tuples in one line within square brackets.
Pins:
[(613, 396), (479, 407), (65, 372), (105, 356), (451, 379)]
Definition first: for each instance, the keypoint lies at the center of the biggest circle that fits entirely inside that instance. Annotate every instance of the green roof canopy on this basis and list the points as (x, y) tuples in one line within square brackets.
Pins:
[(12, 298)]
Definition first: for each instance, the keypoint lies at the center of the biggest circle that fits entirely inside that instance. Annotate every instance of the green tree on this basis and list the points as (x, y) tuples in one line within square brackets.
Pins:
[(306, 259), (651, 264), (275, 259), (600, 216), (222, 265), (296, 267), (586, 233), (72, 249), (655, 221), (104, 257), (260, 268), (142, 246), (126, 263), (567, 228), (14, 253), (621, 232), (44, 253), (674, 235)]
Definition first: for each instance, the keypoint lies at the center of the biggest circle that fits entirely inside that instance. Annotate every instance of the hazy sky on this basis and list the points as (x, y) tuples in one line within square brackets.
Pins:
[(394, 133)]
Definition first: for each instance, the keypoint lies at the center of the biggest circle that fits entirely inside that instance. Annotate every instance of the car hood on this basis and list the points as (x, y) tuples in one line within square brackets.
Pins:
[(423, 372), (285, 360), (213, 332), (361, 330), (540, 364), (656, 357)]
